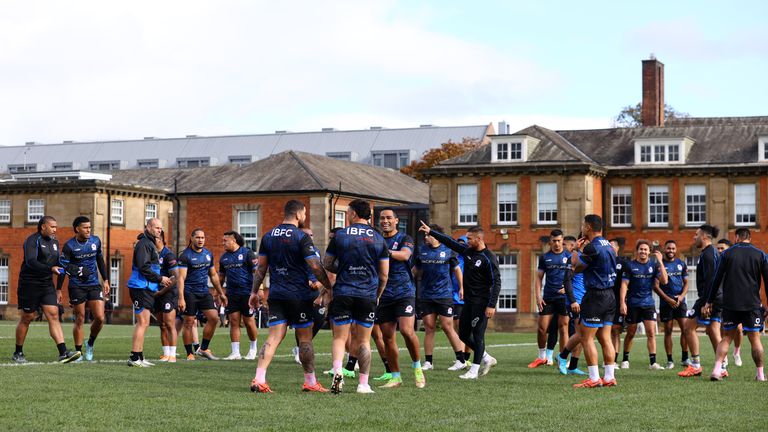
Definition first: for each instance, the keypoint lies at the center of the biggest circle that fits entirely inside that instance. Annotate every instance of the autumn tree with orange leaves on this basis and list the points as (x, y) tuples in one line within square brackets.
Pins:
[(434, 156)]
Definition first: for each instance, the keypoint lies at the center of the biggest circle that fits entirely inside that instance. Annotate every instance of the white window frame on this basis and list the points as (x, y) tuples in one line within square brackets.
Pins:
[(509, 197), (251, 238), (35, 209), (509, 284), (117, 211), (517, 147), (5, 279), (762, 144), (657, 189), (658, 151), (150, 211), (621, 191), (114, 280), (695, 190), (339, 218), (378, 158), (546, 206), (466, 208), (5, 211), (737, 204)]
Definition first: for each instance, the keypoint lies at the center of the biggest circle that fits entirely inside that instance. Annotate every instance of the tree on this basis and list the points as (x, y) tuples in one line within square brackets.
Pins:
[(632, 116), (434, 156)]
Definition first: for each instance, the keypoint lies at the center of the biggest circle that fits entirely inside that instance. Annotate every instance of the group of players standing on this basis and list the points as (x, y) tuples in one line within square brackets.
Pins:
[(595, 292)]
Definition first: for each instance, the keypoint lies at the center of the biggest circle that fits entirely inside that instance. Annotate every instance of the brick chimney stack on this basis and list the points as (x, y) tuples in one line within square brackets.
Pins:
[(653, 92)]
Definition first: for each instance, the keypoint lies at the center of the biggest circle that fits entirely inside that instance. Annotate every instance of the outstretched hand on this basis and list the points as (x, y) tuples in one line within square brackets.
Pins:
[(424, 228)]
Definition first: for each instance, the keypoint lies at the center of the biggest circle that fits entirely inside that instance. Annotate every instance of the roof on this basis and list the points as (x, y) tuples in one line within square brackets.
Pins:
[(220, 148), (290, 171)]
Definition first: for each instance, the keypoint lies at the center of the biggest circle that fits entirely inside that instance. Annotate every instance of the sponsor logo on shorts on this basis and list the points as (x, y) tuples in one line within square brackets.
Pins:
[(595, 320), (408, 309), (450, 310), (303, 315), (372, 315), (321, 311), (167, 306)]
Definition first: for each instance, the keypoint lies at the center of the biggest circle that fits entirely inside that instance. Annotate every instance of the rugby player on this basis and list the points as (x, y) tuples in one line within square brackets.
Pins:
[(458, 305), (195, 268), (236, 268), (618, 319), (359, 257), (167, 300), (574, 292), (672, 306), (721, 246), (482, 284), (83, 261), (286, 251), (636, 298), (318, 309), (36, 290)]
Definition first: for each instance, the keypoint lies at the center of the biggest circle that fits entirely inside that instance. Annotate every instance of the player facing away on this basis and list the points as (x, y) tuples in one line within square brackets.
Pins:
[(618, 319), (36, 290), (435, 265), (286, 251), (636, 298), (721, 246), (83, 261), (397, 306), (711, 318), (482, 284), (144, 282), (574, 292), (167, 300), (551, 275), (236, 268), (359, 257), (195, 268), (672, 295), (740, 270)]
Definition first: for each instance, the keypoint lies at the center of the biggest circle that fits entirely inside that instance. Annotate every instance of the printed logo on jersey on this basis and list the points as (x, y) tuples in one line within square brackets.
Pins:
[(55, 247), (240, 257), (650, 269), (394, 246), (208, 257), (93, 246), (478, 263), (442, 254), (565, 260), (160, 260), (618, 266), (680, 267)]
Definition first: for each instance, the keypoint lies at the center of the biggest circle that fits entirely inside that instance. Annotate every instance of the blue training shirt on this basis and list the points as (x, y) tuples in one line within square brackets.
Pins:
[(641, 278), (600, 259), (237, 268), (577, 285), (358, 248), (197, 265), (287, 249), (677, 273), (436, 265), (554, 267), (455, 282), (83, 255), (400, 283)]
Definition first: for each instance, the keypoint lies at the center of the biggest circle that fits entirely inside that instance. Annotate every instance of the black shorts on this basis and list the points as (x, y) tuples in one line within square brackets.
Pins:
[(751, 321), (295, 313), (346, 310), (695, 312), (167, 302), (239, 303), (400, 308), (554, 307), (667, 313), (31, 297), (598, 308), (442, 307), (78, 295), (643, 313), (142, 299), (197, 302), (457, 308)]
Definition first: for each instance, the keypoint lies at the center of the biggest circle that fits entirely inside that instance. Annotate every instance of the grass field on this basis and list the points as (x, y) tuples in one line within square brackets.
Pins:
[(205, 395)]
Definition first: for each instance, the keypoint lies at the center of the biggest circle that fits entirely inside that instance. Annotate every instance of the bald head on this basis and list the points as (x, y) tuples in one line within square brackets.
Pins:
[(154, 227)]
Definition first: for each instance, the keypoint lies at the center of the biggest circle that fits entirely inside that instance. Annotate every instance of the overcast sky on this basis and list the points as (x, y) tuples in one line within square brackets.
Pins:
[(96, 70)]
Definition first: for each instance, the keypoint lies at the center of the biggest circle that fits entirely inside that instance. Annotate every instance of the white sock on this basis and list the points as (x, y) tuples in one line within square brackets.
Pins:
[(235, 347), (542, 354), (594, 372), (166, 351), (173, 350), (474, 369), (609, 371), (253, 345)]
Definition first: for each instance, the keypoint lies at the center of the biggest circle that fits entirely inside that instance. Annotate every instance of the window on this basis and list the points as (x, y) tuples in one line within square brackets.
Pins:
[(744, 204), (150, 211), (695, 205), (506, 195), (5, 211), (114, 281), (546, 199), (117, 211), (4, 278), (393, 159), (21, 168), (673, 151), (502, 151), (645, 153), (658, 153), (508, 292), (339, 219), (104, 165), (467, 204), (241, 160), (193, 162), (35, 210), (621, 206), (661, 151), (148, 163), (508, 151), (62, 166), (658, 206), (693, 294), (347, 156), (247, 226)]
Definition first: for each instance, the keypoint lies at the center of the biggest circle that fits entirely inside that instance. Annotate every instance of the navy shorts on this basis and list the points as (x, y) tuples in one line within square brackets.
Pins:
[(142, 299), (401, 308), (751, 321), (167, 302), (598, 308), (695, 312), (635, 315), (442, 307), (296, 313), (78, 295), (239, 303), (197, 302), (346, 310), (553, 307)]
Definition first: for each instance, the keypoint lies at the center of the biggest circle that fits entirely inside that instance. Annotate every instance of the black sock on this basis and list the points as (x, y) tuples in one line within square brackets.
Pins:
[(135, 356), (669, 357), (386, 365), (428, 358), (459, 356), (564, 354), (62, 347), (91, 340), (195, 346), (351, 361), (626, 357), (141, 355), (466, 356), (685, 355), (574, 363), (652, 358), (204, 345), (188, 348), (78, 347), (19, 349), (616, 357)]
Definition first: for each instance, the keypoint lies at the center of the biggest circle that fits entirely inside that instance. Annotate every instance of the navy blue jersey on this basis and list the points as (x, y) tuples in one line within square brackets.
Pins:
[(400, 283), (287, 249), (85, 257), (554, 267), (455, 282), (237, 269), (705, 274), (600, 259), (168, 262), (197, 265), (677, 274), (358, 248), (436, 265), (641, 278)]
